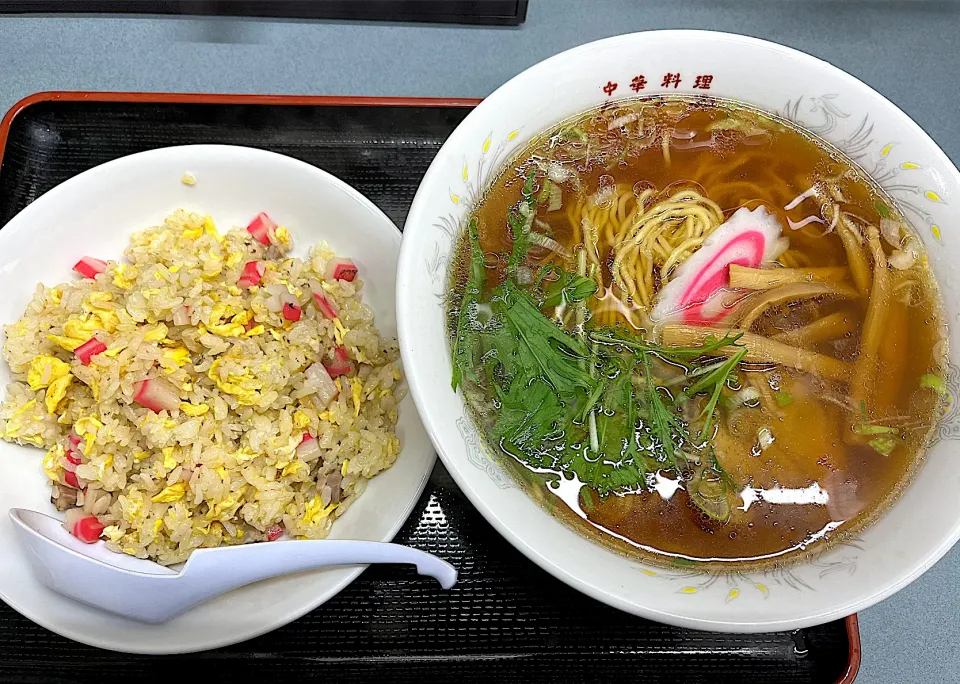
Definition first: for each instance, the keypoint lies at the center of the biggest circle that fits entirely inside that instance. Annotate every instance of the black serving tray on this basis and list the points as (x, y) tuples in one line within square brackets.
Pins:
[(506, 620)]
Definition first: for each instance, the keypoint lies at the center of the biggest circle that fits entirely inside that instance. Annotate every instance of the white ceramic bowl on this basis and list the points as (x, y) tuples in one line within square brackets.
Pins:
[(916, 532), (95, 213)]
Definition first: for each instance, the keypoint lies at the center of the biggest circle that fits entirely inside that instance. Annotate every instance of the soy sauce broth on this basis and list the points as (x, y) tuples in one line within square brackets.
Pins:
[(814, 480)]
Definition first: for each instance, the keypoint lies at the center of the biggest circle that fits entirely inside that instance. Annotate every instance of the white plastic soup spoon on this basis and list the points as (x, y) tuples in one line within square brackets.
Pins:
[(152, 593)]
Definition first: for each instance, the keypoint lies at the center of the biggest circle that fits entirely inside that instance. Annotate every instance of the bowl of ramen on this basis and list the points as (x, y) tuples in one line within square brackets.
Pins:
[(681, 334)]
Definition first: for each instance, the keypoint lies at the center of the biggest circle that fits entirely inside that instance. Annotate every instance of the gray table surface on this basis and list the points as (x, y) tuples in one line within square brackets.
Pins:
[(907, 50)]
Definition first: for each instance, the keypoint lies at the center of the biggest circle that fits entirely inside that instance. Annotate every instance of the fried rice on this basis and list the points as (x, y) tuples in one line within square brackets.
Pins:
[(259, 439)]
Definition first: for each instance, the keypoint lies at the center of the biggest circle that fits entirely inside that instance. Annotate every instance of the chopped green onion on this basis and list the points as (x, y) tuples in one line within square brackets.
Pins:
[(868, 429), (748, 396), (882, 209), (544, 195), (783, 399), (709, 491), (555, 203), (934, 382), (728, 124), (883, 445), (765, 438), (684, 562), (520, 219)]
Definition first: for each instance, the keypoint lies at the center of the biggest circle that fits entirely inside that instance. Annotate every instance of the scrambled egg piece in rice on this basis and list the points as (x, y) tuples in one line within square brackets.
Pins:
[(196, 395)]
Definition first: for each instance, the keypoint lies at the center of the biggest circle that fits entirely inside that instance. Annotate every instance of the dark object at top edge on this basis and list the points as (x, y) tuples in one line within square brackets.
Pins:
[(489, 12), (506, 620)]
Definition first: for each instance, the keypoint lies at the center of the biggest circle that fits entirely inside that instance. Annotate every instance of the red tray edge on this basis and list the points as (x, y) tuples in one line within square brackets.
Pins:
[(853, 629), (853, 637)]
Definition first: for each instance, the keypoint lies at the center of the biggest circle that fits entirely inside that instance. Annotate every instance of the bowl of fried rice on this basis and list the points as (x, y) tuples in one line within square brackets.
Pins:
[(199, 350)]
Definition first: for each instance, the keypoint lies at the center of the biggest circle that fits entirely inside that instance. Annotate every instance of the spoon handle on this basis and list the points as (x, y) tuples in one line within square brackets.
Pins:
[(214, 571)]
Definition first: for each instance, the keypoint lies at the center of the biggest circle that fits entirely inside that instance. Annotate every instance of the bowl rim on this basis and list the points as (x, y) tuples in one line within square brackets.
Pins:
[(420, 391), (22, 219)]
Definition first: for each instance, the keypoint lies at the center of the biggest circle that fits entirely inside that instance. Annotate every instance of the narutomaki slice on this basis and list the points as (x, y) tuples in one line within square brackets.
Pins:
[(694, 294)]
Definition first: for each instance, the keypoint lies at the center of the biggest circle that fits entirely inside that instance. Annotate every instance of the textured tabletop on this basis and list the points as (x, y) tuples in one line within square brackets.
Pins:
[(908, 50)]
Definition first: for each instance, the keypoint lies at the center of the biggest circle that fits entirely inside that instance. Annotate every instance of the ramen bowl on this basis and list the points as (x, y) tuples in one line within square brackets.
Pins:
[(912, 534)]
